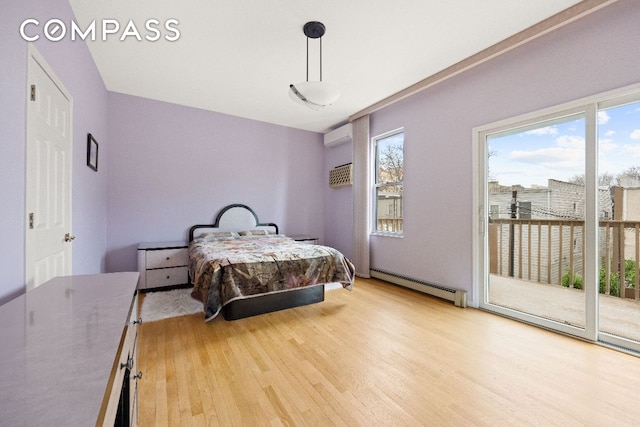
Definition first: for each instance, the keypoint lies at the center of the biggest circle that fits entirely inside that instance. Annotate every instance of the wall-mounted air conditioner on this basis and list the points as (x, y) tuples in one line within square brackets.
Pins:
[(338, 136)]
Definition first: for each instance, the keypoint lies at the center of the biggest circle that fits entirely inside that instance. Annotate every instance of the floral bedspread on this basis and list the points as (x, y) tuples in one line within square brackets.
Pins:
[(229, 268)]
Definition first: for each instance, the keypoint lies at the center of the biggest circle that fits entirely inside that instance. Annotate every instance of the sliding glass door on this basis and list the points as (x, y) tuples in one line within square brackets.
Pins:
[(536, 199), (559, 200)]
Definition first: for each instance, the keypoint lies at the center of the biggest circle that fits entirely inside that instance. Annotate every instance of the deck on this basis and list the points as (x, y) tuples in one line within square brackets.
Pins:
[(618, 316)]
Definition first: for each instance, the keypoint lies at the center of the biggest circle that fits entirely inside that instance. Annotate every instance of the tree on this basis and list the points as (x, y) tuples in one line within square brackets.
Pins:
[(605, 179), (633, 172), (391, 163), (490, 154)]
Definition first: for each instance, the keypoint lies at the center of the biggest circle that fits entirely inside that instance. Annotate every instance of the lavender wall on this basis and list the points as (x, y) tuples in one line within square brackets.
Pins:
[(153, 153), (74, 66), (338, 221), (597, 53), (171, 167)]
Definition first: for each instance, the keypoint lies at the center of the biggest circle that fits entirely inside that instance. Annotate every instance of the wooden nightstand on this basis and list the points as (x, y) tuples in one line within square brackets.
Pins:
[(163, 264), (303, 238)]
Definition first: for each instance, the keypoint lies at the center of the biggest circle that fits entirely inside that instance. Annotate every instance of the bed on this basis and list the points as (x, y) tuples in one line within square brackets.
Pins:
[(241, 267)]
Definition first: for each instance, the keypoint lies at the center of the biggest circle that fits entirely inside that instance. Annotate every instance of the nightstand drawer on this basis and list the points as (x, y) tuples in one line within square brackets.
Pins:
[(167, 277), (305, 239), (162, 258)]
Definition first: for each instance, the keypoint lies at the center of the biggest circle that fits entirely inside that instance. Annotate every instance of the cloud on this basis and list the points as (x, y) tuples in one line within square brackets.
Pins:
[(610, 133), (630, 151), (564, 159), (635, 134), (548, 130), (571, 141), (606, 145), (603, 117), (549, 155)]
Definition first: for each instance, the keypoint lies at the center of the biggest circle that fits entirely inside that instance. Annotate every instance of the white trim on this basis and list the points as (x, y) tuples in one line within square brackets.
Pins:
[(388, 134), (591, 269), (387, 234), (37, 56)]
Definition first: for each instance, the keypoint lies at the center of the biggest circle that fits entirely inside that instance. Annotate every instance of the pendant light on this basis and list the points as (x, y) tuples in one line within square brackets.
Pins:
[(314, 94)]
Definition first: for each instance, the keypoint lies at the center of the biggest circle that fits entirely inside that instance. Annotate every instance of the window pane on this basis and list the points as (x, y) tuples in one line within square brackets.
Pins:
[(390, 159), (619, 212), (536, 181), (389, 208)]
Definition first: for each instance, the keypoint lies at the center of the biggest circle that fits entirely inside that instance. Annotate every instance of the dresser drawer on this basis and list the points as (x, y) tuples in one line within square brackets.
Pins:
[(167, 277), (126, 359), (162, 258)]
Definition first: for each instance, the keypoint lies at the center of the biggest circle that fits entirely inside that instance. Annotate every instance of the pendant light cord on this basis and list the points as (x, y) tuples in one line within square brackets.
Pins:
[(320, 58)]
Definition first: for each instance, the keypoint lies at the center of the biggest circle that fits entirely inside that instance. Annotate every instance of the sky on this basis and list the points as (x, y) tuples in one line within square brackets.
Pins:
[(556, 150)]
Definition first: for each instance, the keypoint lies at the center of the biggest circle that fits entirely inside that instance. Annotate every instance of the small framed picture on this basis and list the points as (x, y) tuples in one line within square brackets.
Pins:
[(92, 152)]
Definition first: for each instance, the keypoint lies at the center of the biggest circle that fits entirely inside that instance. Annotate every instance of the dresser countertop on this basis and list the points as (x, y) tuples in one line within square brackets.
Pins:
[(59, 343)]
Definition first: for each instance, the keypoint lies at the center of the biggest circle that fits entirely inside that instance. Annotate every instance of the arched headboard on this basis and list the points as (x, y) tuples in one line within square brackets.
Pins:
[(236, 217)]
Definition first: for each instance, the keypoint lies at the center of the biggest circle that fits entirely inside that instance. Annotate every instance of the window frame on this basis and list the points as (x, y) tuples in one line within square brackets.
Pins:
[(375, 186)]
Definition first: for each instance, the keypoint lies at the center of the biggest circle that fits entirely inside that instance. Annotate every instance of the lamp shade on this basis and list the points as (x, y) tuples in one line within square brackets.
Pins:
[(315, 95)]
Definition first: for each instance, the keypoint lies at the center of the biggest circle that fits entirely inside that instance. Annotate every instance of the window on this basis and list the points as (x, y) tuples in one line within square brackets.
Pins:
[(387, 187)]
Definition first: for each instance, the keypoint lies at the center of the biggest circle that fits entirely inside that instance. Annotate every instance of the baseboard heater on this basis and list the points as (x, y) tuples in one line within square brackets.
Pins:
[(457, 296)]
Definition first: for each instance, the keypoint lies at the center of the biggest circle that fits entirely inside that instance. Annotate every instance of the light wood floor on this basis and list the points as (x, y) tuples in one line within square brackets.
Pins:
[(380, 355)]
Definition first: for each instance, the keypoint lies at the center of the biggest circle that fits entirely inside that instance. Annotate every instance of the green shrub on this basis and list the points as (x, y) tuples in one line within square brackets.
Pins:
[(614, 281), (630, 272), (577, 280)]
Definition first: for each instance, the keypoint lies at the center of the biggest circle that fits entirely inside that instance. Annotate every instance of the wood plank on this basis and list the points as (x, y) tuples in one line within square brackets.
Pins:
[(381, 355)]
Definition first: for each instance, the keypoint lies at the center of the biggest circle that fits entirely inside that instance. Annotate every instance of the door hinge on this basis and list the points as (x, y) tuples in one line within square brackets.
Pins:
[(31, 221), (33, 92)]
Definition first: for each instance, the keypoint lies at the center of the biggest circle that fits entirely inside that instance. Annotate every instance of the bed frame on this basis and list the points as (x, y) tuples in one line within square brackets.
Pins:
[(238, 217)]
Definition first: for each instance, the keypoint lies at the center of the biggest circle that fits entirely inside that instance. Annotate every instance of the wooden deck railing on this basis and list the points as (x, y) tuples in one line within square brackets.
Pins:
[(389, 224), (552, 251)]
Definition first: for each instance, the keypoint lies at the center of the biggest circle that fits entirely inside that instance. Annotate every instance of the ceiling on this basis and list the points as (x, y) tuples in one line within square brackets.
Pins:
[(239, 56)]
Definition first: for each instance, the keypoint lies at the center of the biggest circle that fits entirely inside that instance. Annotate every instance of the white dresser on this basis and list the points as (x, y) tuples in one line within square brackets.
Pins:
[(163, 264)]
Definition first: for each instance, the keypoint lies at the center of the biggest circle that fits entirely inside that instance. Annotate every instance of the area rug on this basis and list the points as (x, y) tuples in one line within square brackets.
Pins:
[(332, 286), (165, 304)]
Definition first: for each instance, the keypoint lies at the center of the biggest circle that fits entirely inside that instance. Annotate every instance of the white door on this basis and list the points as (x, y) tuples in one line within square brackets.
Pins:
[(48, 181)]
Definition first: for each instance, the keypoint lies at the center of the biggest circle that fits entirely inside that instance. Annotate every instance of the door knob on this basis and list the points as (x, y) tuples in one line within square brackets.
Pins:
[(68, 237)]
